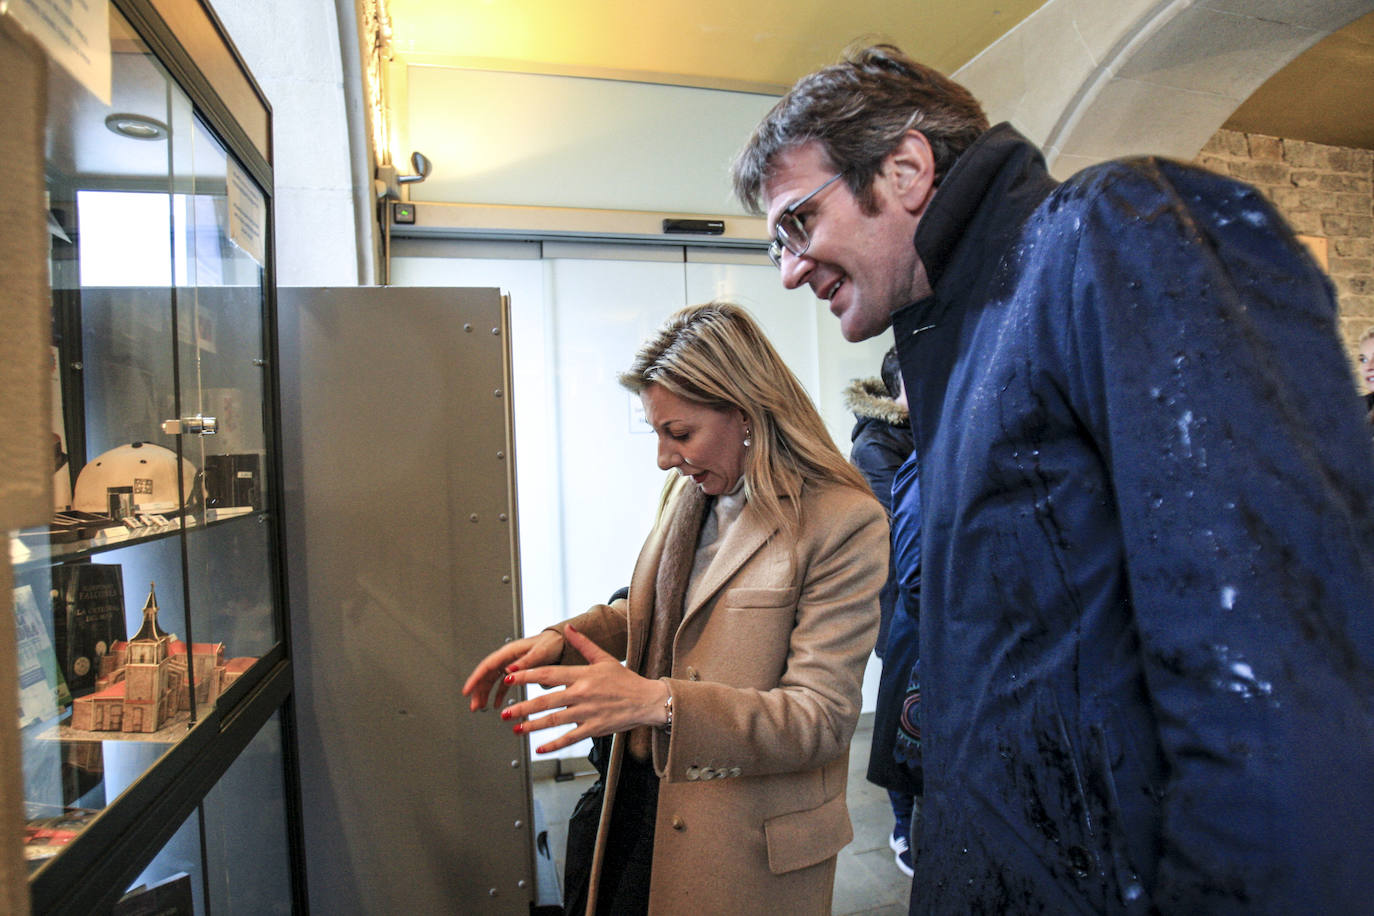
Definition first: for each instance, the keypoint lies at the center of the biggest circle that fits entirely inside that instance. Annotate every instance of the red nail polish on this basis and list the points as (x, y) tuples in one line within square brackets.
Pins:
[(505, 713), (510, 679), (516, 728), (510, 669)]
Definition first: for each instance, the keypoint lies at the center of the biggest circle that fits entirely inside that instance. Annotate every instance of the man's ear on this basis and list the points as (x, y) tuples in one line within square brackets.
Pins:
[(911, 171)]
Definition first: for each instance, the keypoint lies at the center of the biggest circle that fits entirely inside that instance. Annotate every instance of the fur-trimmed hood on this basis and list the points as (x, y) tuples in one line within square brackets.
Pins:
[(867, 399)]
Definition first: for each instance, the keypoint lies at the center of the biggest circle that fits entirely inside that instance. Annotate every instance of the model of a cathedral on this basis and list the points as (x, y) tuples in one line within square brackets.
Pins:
[(143, 682)]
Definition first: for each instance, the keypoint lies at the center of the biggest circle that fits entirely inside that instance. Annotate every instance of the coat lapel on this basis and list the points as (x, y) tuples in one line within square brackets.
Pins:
[(742, 541), (642, 582)]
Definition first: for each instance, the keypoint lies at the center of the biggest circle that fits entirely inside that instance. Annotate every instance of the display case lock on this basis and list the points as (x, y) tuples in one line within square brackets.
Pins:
[(195, 426)]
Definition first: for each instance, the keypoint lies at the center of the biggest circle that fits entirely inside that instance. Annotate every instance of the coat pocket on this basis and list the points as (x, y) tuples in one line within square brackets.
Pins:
[(760, 597), (802, 838)]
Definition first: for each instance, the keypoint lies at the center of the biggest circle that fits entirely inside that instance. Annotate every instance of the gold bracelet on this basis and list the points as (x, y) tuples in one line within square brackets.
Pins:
[(668, 711)]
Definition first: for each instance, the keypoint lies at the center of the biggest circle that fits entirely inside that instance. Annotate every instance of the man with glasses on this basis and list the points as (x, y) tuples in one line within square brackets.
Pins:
[(1147, 666)]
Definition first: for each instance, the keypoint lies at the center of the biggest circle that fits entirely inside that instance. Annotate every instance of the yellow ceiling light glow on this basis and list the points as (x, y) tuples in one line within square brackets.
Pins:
[(760, 46)]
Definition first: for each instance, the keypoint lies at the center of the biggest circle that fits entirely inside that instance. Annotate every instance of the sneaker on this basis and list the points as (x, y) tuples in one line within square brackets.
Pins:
[(902, 849)]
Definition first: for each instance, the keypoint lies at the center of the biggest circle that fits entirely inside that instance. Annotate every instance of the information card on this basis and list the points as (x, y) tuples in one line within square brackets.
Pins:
[(247, 213)]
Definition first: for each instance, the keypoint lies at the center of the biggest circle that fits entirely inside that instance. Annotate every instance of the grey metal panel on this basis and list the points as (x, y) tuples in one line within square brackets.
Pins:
[(401, 530)]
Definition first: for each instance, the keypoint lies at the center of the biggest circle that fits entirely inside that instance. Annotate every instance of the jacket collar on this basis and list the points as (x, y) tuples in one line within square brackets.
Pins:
[(978, 209)]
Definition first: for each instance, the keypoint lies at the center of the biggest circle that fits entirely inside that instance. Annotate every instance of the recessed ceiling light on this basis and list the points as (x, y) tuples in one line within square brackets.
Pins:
[(137, 127)]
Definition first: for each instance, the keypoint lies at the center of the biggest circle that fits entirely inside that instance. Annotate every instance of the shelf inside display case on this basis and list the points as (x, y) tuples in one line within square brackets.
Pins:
[(170, 733), (49, 545)]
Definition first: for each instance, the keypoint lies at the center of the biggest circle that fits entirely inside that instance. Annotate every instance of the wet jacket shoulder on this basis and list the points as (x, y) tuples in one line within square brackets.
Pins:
[(1147, 549)]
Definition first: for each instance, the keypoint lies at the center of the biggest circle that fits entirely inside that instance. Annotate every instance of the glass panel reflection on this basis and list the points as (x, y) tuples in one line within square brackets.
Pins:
[(157, 316), (220, 359), (174, 882), (246, 848), (81, 583)]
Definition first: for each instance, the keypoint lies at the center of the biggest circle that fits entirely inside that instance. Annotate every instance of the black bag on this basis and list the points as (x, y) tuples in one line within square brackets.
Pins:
[(582, 824)]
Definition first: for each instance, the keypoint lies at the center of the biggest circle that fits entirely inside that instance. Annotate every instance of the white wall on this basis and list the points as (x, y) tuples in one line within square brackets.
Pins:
[(292, 48), (561, 141)]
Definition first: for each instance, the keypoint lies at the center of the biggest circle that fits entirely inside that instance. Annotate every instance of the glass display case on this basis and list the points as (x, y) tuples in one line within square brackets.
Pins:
[(154, 665)]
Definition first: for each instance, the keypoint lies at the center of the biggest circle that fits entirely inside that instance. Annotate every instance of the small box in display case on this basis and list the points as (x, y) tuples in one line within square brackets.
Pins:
[(233, 481)]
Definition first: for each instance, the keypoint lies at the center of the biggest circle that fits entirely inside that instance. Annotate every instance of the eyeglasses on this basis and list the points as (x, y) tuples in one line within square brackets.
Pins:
[(789, 232)]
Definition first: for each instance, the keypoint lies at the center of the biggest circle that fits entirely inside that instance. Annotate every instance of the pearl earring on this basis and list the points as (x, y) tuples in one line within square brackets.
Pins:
[(748, 441)]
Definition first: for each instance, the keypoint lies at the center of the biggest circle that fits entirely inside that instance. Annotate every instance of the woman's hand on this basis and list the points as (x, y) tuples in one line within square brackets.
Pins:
[(602, 697), (540, 649)]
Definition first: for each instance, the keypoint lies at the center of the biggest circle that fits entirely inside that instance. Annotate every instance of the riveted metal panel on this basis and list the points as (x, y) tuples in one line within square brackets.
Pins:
[(401, 530)]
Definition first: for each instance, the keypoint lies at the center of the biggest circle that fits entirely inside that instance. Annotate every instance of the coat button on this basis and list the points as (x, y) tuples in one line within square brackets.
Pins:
[(708, 773), (734, 771), (692, 674), (678, 823), (694, 772)]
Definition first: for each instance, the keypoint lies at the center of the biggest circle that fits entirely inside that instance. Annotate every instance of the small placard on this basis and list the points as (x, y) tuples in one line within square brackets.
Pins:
[(638, 424), (247, 213), (75, 33)]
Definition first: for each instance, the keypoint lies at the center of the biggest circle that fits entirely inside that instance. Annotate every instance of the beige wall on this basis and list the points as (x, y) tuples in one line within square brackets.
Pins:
[(1326, 192)]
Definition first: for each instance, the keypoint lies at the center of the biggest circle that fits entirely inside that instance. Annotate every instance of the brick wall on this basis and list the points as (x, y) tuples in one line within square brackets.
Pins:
[(1323, 191)]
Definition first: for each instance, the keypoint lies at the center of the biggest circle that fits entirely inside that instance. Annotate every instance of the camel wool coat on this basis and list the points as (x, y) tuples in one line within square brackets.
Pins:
[(767, 670)]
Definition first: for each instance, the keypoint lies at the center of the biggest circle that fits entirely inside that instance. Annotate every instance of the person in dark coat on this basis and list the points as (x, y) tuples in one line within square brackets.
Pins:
[(881, 442), (1147, 505), (899, 691)]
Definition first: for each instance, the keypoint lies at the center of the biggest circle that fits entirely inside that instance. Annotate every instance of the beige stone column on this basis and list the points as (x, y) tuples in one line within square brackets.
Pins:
[(25, 449)]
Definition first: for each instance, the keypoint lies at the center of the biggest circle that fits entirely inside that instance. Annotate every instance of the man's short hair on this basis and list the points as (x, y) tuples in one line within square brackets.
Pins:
[(858, 110)]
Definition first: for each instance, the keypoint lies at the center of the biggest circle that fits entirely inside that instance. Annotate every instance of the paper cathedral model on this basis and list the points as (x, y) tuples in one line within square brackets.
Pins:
[(143, 682)]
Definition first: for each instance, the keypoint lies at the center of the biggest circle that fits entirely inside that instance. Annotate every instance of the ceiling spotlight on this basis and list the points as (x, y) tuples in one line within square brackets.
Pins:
[(137, 127)]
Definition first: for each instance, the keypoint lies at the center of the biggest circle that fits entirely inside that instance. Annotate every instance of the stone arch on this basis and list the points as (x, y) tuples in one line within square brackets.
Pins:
[(1089, 80)]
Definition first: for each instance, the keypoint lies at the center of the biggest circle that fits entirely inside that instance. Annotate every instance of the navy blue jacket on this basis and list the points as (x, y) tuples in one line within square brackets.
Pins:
[(1148, 550), (881, 442), (894, 760)]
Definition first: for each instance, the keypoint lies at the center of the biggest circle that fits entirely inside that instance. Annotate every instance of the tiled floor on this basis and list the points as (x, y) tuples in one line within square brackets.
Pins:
[(867, 883)]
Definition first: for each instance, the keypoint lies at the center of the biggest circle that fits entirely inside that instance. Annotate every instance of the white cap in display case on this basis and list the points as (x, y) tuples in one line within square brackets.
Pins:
[(150, 470)]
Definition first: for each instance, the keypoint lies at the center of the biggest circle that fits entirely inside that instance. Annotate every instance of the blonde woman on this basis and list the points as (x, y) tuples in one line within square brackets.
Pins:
[(751, 613)]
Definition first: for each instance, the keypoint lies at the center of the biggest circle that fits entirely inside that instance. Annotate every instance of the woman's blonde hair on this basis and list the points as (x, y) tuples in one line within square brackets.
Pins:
[(716, 355)]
